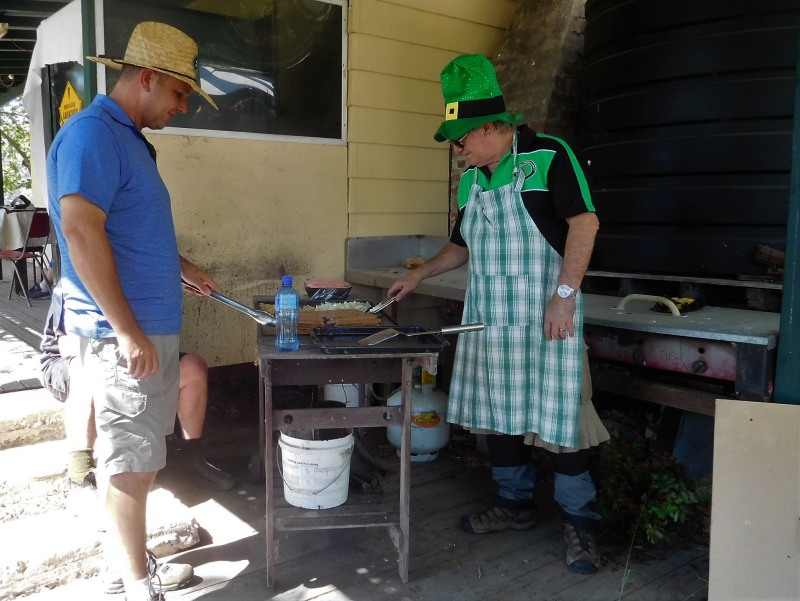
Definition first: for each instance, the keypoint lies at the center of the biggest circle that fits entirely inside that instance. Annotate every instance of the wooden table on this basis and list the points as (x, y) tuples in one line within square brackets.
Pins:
[(310, 366)]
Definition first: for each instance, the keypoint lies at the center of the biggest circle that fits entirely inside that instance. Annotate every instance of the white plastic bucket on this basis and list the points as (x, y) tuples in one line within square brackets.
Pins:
[(316, 473), (345, 393)]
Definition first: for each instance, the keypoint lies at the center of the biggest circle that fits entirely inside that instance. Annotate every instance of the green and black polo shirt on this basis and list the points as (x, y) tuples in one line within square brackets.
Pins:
[(555, 185)]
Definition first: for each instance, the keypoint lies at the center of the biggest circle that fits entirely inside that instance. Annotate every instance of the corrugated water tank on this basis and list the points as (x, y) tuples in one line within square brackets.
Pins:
[(687, 128)]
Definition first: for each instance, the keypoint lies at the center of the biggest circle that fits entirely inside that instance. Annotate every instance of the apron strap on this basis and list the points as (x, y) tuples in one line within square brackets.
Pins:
[(518, 174)]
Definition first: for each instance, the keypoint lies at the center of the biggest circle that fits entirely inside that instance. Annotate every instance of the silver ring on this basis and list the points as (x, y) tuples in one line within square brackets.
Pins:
[(562, 329)]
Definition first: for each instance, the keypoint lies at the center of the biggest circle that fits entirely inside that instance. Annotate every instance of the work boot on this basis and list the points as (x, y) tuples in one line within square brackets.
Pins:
[(163, 577), (191, 463), (81, 464), (199, 468), (498, 518), (83, 500), (581, 556)]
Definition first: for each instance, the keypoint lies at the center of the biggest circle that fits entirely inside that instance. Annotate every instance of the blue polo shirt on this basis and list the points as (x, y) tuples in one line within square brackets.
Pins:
[(101, 155)]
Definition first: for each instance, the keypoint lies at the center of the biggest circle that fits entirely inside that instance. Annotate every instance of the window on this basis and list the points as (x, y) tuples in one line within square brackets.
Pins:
[(272, 66)]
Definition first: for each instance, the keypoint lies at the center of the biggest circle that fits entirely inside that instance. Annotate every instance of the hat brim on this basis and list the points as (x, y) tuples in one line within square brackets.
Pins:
[(456, 128), (116, 63)]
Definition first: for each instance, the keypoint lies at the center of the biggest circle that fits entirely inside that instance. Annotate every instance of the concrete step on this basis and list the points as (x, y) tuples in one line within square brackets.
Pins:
[(29, 416)]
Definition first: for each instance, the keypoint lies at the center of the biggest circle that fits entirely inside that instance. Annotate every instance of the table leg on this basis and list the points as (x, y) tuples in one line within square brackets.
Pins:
[(405, 470), (268, 469)]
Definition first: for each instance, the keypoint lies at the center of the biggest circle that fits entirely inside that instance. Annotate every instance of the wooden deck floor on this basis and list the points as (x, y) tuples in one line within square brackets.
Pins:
[(450, 564), (16, 318), (20, 335), (446, 563)]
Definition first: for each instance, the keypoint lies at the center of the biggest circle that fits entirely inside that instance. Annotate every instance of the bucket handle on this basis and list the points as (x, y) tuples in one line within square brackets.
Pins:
[(279, 463)]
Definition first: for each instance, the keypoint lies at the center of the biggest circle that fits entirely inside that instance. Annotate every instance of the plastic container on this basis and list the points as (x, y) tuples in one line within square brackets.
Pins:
[(316, 473), (287, 307), (345, 393), (327, 290), (429, 430)]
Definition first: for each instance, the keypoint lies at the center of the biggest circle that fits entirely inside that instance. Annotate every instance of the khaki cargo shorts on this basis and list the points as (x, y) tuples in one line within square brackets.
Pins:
[(132, 416)]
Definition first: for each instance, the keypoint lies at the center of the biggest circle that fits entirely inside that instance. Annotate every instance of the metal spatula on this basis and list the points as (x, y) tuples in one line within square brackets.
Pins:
[(389, 333)]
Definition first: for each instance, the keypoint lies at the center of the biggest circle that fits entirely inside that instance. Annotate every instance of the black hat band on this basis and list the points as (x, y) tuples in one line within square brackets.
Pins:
[(466, 109)]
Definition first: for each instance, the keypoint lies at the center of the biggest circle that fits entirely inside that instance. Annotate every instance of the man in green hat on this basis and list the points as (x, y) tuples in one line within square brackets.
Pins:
[(526, 226)]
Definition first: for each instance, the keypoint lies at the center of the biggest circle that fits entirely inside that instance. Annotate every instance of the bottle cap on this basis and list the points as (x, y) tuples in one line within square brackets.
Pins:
[(286, 280)]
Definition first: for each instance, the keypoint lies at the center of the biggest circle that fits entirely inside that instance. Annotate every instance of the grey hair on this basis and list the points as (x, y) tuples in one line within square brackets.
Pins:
[(503, 127)]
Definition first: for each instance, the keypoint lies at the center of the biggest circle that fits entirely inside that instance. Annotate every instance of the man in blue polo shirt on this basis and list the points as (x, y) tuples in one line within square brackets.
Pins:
[(121, 276)]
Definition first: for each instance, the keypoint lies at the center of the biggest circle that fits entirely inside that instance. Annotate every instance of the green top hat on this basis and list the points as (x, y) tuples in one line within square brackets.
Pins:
[(472, 97)]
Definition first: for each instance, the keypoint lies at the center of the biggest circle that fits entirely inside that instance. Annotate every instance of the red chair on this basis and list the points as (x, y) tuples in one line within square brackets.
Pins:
[(36, 241)]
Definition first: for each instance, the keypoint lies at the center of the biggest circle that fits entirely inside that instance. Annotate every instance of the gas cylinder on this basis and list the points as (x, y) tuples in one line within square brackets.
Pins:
[(429, 430)]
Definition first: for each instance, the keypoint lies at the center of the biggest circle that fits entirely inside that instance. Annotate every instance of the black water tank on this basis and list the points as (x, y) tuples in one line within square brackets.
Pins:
[(688, 130)]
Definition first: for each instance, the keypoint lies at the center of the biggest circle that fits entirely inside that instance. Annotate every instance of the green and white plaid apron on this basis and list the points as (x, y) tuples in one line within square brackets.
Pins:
[(509, 378)]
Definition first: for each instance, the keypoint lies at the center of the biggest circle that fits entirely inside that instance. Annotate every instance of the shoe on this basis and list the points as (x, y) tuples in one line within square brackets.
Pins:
[(168, 576), (164, 577), (581, 554), (201, 469), (498, 518), (83, 500), (185, 458), (38, 292)]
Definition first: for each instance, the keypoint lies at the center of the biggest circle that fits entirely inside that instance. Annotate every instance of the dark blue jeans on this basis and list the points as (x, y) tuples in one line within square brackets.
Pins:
[(515, 476)]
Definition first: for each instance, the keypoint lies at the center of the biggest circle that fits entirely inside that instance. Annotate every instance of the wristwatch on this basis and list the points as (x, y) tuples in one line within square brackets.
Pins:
[(565, 291)]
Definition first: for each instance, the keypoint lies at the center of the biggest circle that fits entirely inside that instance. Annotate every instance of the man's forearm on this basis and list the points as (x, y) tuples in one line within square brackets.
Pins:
[(578, 250), (450, 257), (93, 260)]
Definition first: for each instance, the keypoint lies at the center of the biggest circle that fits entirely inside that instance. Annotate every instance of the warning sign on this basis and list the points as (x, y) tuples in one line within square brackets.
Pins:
[(70, 104)]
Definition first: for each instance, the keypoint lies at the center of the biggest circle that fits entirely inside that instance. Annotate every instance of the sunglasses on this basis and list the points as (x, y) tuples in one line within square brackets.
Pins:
[(460, 142)]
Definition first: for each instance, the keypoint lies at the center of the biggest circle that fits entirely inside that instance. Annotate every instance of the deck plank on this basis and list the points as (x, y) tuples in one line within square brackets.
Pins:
[(23, 322), (447, 563)]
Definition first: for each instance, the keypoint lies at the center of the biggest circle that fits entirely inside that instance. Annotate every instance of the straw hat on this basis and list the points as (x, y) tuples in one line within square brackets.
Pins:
[(472, 97), (162, 48)]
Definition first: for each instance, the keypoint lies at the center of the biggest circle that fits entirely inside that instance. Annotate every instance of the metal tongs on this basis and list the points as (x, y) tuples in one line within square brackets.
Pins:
[(382, 305), (262, 317)]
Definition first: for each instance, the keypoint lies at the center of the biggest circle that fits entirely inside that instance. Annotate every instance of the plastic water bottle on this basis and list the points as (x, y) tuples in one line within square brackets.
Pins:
[(287, 306)]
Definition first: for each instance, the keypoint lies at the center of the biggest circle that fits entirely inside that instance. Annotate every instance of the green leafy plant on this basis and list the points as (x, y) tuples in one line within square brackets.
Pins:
[(670, 501), (644, 496)]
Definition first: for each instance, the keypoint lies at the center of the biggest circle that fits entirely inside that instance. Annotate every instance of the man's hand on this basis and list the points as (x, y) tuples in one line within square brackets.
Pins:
[(404, 286), (448, 258), (140, 354), (198, 278), (559, 318)]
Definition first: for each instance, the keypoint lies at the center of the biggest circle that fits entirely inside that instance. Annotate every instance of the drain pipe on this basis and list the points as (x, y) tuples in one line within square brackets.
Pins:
[(787, 376)]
